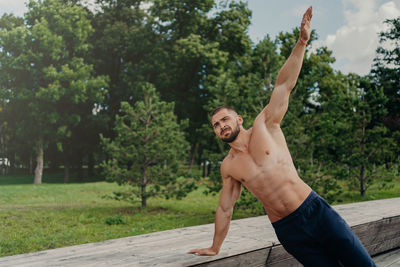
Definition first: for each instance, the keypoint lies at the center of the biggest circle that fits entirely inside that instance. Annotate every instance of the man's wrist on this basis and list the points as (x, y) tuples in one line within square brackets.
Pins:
[(302, 42), (215, 249)]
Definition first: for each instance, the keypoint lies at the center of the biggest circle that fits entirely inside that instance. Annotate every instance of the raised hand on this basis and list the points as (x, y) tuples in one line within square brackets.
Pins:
[(305, 29), (203, 252)]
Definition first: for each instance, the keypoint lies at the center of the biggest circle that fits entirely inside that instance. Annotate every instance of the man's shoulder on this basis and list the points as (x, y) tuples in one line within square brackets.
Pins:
[(226, 160), (262, 121), (226, 163)]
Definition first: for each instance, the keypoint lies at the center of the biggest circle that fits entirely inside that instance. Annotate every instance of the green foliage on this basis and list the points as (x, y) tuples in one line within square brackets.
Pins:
[(247, 84), (68, 74), (148, 148), (325, 181), (115, 220), (385, 74), (53, 89), (247, 202), (53, 215)]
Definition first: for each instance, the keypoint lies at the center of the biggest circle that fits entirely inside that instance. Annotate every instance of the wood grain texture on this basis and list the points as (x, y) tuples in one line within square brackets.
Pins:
[(389, 259), (249, 243)]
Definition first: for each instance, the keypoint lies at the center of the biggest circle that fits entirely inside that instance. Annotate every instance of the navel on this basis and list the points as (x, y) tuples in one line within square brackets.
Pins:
[(267, 152)]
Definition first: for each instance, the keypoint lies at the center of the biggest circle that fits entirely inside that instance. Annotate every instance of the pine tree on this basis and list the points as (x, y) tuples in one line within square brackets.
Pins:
[(147, 150)]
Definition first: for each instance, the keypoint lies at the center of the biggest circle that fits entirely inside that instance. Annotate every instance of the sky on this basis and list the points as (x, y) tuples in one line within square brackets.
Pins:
[(349, 28)]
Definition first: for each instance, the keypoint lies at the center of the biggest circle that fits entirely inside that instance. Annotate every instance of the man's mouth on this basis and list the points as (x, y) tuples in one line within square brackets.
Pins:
[(224, 131)]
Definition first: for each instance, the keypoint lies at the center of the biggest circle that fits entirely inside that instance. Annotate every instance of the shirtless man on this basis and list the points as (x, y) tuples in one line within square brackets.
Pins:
[(307, 227)]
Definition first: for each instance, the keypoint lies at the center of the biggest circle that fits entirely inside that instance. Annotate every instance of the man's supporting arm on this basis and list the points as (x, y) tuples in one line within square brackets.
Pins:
[(223, 215), (231, 190), (287, 77)]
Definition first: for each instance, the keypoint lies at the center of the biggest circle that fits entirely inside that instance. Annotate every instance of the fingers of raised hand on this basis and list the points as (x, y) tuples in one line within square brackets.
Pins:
[(308, 15)]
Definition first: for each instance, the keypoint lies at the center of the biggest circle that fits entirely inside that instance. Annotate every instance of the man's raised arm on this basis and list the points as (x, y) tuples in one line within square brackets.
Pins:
[(231, 190), (287, 77)]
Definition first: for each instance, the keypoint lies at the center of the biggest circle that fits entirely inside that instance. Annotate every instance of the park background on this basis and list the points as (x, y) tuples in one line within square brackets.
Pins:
[(104, 114)]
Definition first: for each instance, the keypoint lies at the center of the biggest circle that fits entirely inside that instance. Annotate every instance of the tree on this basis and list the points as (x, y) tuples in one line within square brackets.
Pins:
[(247, 83), (386, 74), (122, 48), (49, 77), (243, 84), (7, 121), (4, 137), (147, 150), (370, 145)]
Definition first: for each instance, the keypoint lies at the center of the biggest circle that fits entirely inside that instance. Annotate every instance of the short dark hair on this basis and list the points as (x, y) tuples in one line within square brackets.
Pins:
[(215, 111)]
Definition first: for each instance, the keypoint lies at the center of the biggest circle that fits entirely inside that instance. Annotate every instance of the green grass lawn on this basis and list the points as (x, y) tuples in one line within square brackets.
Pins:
[(54, 214)]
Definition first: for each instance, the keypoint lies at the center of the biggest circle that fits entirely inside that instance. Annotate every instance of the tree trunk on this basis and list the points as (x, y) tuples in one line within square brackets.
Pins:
[(66, 171), (362, 180), (91, 165), (144, 182), (31, 163), (80, 169), (39, 163), (194, 152), (319, 167), (3, 153), (362, 168), (10, 166)]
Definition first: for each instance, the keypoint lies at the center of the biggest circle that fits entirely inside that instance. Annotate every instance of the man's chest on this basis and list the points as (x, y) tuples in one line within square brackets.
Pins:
[(263, 155)]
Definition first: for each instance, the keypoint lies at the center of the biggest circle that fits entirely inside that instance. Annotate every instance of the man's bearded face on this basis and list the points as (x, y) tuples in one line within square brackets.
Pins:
[(229, 135), (226, 125)]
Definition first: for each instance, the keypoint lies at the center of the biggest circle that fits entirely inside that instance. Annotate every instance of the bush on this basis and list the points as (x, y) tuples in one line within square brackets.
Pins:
[(115, 220)]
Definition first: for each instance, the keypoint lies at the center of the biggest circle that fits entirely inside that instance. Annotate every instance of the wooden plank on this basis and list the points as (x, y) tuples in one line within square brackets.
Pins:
[(390, 259), (249, 259), (377, 237), (279, 257), (248, 241), (384, 246), (274, 256)]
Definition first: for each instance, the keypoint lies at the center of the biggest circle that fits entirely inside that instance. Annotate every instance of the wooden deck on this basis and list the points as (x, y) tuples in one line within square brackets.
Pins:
[(249, 243), (389, 259)]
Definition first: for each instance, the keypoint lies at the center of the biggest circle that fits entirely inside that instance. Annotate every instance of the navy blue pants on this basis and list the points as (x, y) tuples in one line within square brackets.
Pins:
[(316, 235)]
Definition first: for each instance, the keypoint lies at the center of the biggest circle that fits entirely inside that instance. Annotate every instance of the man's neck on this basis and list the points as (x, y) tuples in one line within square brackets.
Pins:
[(241, 142)]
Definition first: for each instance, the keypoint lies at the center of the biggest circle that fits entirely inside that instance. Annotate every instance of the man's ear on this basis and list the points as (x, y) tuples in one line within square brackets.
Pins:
[(240, 119)]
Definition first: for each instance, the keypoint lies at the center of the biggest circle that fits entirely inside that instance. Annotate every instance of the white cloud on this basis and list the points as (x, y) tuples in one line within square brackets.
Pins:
[(17, 7), (355, 42), (91, 5)]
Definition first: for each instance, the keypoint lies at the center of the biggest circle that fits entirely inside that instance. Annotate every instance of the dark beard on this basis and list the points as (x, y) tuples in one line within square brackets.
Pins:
[(233, 135)]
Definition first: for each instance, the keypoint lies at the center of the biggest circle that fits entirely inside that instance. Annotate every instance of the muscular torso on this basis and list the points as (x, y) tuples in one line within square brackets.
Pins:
[(267, 171)]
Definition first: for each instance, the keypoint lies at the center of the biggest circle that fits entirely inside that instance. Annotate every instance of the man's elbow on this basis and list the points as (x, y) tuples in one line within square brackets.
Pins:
[(291, 85)]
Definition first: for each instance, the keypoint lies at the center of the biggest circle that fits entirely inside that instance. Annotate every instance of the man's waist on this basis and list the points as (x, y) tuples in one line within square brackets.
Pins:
[(285, 203)]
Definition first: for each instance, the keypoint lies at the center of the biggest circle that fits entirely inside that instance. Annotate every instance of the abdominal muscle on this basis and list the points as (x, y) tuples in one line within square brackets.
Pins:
[(279, 189), (266, 169)]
